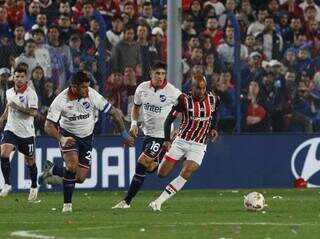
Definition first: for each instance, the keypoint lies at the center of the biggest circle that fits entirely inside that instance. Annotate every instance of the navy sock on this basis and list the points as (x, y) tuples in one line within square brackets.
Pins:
[(5, 168), (136, 182), (69, 181), (33, 172), (58, 171)]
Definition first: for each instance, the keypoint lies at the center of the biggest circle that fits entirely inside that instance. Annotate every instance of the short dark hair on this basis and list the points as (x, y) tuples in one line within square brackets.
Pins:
[(36, 31), (159, 65), (79, 78), (20, 70)]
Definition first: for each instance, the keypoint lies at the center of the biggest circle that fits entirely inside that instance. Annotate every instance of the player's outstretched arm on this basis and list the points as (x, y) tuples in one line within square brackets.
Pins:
[(118, 121), (28, 111), (50, 129)]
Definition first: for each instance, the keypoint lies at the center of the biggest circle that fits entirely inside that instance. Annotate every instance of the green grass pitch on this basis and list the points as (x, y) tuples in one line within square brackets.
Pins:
[(214, 214)]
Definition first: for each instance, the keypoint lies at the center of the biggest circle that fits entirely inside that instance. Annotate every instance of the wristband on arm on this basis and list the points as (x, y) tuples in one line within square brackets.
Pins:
[(124, 134)]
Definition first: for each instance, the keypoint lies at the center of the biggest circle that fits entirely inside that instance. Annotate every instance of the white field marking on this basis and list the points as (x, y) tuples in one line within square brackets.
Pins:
[(30, 234)]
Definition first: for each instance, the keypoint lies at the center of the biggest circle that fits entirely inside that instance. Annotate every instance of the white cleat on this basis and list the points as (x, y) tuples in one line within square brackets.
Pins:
[(33, 195), (67, 207), (155, 206), (5, 190), (122, 204)]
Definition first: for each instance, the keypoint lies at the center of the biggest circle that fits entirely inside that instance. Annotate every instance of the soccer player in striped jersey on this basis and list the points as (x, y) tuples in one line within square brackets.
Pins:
[(199, 109), (19, 130), (74, 109)]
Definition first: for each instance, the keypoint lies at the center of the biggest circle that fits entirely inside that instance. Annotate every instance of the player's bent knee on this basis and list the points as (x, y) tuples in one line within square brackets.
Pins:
[(145, 160), (71, 168)]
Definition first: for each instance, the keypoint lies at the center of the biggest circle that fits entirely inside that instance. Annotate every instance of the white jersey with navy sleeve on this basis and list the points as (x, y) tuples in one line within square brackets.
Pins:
[(77, 116), (156, 105), (19, 123)]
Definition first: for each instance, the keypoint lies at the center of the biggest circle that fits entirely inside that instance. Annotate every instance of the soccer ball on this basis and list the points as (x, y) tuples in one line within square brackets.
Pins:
[(254, 201)]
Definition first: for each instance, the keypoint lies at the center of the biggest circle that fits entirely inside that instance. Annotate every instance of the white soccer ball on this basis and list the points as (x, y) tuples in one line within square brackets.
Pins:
[(254, 201)]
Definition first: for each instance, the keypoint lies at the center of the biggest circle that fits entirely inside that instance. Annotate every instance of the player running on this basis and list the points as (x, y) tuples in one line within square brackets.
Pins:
[(74, 109), (19, 132), (199, 120), (155, 99)]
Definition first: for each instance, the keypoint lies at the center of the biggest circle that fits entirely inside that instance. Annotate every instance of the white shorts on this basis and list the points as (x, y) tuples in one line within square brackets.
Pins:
[(186, 149)]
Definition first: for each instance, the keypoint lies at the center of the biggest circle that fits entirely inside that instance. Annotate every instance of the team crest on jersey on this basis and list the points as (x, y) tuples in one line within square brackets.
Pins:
[(21, 98), (163, 98), (86, 105)]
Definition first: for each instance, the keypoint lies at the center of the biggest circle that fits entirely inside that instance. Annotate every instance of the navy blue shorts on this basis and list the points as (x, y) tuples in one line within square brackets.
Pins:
[(152, 147), (24, 145), (83, 146)]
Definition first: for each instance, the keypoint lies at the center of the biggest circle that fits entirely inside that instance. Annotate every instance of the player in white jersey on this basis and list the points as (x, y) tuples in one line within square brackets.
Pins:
[(155, 98), (19, 130), (74, 109)]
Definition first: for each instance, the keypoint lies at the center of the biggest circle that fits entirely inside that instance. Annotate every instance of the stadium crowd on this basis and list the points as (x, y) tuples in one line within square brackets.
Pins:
[(280, 60)]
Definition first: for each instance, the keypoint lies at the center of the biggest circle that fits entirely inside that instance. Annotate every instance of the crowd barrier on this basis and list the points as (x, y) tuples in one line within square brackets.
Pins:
[(233, 161)]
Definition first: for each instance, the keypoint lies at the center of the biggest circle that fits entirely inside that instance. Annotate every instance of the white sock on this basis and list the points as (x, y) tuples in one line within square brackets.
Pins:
[(171, 189)]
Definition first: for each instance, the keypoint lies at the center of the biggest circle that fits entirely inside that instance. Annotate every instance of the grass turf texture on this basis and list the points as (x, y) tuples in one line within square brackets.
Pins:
[(190, 214)]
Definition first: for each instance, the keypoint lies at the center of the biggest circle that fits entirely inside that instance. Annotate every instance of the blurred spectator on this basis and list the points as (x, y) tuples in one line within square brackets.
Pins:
[(41, 22), (61, 60), (255, 114), (226, 111), (5, 30), (28, 56), (147, 14), (307, 3), (195, 12), (213, 31), (36, 81), (292, 9), (115, 34), (188, 29), (289, 60), (49, 8), (29, 19), (303, 61), (258, 26), (17, 45), (15, 10), (295, 28), (41, 52), (87, 13), (271, 41), (4, 85), (226, 49), (126, 52), (89, 38), (148, 52), (218, 6), (230, 6), (252, 70), (64, 23), (250, 43)]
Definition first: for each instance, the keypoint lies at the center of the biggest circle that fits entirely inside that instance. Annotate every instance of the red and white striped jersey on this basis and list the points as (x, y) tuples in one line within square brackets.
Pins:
[(198, 117)]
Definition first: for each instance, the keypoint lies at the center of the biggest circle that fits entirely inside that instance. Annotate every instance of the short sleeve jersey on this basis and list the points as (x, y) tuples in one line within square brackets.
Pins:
[(19, 123), (156, 105), (77, 116)]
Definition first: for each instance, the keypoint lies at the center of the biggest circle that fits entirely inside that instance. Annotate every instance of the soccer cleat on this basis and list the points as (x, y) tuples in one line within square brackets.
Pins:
[(122, 204), (33, 195), (67, 207), (155, 206), (46, 172), (5, 190)]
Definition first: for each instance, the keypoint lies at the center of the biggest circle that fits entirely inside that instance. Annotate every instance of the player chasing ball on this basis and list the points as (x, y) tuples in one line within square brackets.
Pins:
[(74, 110), (199, 120)]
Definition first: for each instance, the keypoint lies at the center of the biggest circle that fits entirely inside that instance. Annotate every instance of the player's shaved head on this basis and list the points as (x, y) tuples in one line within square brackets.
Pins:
[(199, 87)]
